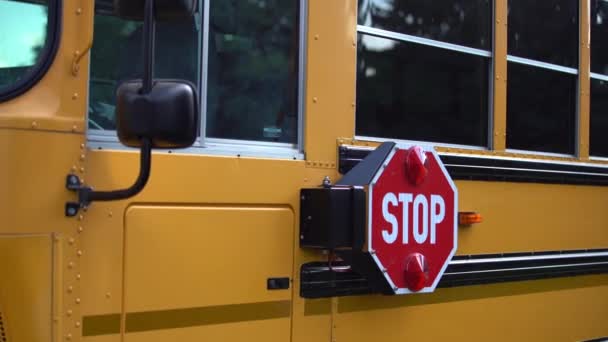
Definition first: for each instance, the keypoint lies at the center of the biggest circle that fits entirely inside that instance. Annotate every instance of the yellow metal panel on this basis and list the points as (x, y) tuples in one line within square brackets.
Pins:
[(568, 309), (184, 257), (267, 330), (522, 217), (26, 287), (584, 81), (32, 179), (101, 234), (104, 338), (500, 75), (330, 76)]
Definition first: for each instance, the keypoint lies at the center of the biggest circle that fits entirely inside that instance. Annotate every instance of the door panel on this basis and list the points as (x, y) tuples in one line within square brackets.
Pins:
[(192, 266)]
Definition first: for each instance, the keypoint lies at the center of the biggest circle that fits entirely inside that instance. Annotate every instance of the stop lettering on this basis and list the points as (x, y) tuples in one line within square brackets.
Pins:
[(426, 215), (412, 228)]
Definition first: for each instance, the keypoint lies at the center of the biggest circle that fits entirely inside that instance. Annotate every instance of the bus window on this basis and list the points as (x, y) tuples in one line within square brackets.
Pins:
[(23, 35), (248, 84), (542, 75), (253, 70), (599, 79), (423, 70)]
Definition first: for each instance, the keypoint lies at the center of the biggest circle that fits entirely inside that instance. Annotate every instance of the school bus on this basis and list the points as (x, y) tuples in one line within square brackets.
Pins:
[(280, 96)]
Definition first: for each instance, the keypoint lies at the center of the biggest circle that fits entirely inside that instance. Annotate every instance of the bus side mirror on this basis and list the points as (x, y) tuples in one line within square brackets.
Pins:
[(166, 10), (150, 113), (167, 116)]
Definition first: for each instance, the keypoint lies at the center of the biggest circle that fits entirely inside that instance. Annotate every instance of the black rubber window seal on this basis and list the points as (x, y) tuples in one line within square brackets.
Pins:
[(47, 56)]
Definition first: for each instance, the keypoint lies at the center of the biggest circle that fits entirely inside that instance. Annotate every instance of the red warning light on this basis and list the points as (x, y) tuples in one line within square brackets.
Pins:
[(416, 272), (415, 165)]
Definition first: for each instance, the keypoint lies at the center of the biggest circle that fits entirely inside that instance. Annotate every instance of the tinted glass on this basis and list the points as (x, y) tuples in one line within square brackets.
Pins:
[(117, 56), (415, 92), (544, 30), (599, 118), (23, 31), (253, 70), (541, 107), (599, 36), (464, 22)]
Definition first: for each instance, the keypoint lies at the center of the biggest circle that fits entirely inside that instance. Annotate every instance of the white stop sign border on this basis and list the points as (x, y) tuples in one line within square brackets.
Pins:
[(425, 148)]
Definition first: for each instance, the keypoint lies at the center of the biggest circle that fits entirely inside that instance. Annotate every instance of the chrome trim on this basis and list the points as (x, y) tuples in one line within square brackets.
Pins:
[(540, 153), (527, 170), (204, 68), (491, 156), (423, 41), (235, 150), (543, 65), (528, 258), (302, 70), (599, 76), (527, 268)]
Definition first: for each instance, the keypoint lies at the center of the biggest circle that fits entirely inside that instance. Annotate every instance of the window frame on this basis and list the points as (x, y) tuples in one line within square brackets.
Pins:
[(47, 55), (412, 39), (107, 139)]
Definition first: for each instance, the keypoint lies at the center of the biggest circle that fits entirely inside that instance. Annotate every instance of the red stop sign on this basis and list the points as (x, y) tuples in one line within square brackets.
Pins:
[(412, 227)]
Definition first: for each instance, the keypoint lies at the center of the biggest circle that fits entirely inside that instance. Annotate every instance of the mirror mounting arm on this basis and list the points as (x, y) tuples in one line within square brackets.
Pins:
[(86, 194)]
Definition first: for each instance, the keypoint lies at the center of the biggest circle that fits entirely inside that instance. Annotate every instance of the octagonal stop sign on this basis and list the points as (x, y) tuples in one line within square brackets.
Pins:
[(412, 222)]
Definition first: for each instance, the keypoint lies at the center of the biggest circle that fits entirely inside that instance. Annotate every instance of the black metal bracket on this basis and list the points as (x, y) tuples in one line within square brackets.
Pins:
[(86, 194)]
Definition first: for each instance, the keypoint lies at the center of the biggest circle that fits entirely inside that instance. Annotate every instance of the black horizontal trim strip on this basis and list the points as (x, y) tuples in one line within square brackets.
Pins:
[(487, 168), (318, 281)]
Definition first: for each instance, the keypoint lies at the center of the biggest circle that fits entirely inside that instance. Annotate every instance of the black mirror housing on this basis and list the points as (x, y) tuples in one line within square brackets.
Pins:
[(166, 10), (167, 115)]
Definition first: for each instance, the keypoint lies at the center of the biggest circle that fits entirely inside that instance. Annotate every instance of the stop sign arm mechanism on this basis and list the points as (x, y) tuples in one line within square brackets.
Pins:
[(334, 218)]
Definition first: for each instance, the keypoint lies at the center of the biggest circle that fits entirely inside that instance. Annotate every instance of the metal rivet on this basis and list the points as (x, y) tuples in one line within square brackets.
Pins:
[(77, 324), (74, 96), (78, 276), (315, 100), (78, 11), (68, 313), (108, 295), (82, 170), (71, 265), (79, 253), (316, 37), (80, 218), (34, 124), (68, 337), (77, 300), (80, 229), (82, 156), (70, 289), (71, 241), (109, 214)]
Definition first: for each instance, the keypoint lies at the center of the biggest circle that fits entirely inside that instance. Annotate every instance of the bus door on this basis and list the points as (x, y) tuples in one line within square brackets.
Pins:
[(206, 250)]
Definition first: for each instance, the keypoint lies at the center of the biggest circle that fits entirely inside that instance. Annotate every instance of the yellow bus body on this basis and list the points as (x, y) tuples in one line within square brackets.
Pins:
[(188, 258)]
